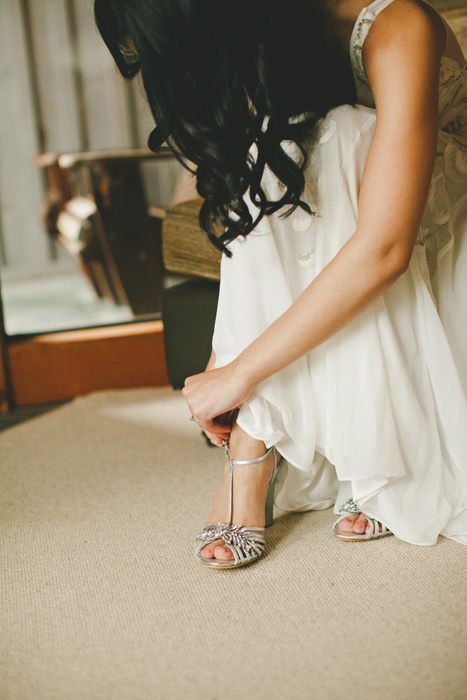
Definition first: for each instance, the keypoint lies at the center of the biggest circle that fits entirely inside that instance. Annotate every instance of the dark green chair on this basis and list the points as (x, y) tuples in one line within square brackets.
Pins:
[(188, 313)]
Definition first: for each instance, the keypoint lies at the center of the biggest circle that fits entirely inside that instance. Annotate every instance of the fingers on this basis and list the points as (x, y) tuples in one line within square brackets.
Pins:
[(220, 431), (229, 417), (214, 439), (218, 427), (216, 434), (191, 379)]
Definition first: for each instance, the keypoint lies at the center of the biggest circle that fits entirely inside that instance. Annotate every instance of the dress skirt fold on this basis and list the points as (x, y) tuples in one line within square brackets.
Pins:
[(378, 412)]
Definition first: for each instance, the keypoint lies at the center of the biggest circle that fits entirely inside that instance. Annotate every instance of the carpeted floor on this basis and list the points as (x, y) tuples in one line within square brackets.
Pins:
[(103, 599)]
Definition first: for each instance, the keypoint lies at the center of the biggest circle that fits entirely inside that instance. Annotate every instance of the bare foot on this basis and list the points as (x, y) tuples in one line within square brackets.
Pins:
[(250, 486), (356, 522)]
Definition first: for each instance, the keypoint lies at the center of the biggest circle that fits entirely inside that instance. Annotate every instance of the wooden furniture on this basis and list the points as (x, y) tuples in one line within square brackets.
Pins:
[(56, 366), (188, 309), (185, 247), (5, 384), (97, 208)]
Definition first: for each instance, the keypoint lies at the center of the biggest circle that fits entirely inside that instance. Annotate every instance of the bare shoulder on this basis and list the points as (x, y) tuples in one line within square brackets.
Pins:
[(402, 57), (412, 26)]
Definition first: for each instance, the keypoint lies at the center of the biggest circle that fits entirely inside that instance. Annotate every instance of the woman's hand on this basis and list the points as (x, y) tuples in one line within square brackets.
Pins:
[(224, 418), (213, 395)]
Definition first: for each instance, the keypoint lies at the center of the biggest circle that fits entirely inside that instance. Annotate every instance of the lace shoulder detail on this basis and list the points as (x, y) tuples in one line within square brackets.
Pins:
[(359, 33), (453, 100)]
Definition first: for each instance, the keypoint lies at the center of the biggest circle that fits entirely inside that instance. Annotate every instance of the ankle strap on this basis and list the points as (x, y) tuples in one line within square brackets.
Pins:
[(225, 444), (233, 462)]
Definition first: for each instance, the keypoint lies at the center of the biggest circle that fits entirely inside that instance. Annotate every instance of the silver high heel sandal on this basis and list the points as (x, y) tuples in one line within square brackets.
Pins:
[(373, 533), (245, 543)]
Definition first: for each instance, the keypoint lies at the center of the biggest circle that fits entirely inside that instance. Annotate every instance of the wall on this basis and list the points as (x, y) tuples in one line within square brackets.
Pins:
[(59, 91)]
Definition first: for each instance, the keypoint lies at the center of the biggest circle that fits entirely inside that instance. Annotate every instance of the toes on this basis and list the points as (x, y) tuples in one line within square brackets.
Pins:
[(223, 552), (216, 550), (346, 525), (356, 523), (360, 523), (208, 551)]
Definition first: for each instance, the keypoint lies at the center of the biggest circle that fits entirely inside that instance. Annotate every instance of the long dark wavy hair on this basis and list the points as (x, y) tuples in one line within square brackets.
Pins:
[(213, 70)]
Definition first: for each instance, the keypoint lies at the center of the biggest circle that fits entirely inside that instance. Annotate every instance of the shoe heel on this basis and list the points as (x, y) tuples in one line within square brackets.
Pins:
[(269, 506)]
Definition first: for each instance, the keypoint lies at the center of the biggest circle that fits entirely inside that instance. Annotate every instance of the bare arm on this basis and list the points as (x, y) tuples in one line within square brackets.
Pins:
[(211, 361), (401, 57), (215, 438)]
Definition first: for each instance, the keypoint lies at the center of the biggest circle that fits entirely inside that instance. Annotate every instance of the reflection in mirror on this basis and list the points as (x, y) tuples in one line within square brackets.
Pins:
[(82, 199)]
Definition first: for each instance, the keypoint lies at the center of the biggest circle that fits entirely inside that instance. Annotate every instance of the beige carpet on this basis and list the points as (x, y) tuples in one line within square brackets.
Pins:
[(103, 599)]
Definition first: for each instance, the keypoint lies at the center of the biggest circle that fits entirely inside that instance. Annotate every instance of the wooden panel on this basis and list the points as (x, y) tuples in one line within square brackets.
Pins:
[(57, 366), (54, 66), (4, 403), (5, 397), (105, 92), (60, 90), (26, 245), (185, 246)]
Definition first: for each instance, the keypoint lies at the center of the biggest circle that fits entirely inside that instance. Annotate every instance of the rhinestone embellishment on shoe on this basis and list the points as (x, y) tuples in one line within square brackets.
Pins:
[(231, 534), (350, 507)]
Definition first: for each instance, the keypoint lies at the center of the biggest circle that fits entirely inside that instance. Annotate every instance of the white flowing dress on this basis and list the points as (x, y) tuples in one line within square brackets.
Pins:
[(378, 412)]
